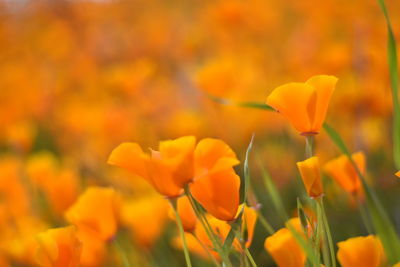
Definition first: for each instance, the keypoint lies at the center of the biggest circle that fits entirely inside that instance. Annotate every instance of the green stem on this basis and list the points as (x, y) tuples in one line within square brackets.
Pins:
[(309, 145), (322, 235), (253, 263), (327, 231), (365, 217), (181, 232)]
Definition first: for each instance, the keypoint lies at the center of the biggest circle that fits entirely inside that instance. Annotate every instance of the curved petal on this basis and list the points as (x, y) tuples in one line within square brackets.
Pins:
[(218, 193), (324, 86), (311, 176), (213, 155), (296, 102), (179, 154), (129, 156)]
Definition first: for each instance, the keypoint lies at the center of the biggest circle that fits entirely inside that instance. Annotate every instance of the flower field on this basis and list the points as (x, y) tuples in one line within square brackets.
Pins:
[(222, 133)]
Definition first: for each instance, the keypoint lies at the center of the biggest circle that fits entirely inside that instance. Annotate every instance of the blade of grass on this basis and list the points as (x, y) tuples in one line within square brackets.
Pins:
[(380, 219), (245, 183), (394, 81), (273, 192), (228, 102)]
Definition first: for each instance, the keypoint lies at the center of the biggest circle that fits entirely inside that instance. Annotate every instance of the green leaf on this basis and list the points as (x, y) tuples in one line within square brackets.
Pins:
[(393, 72), (228, 102), (245, 183), (302, 215), (232, 233), (380, 219)]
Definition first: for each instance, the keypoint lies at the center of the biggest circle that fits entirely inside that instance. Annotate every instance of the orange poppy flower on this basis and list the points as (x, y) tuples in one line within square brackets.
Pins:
[(311, 176), (283, 247), (343, 172), (361, 251), (397, 174), (304, 104), (167, 170), (96, 212), (58, 248)]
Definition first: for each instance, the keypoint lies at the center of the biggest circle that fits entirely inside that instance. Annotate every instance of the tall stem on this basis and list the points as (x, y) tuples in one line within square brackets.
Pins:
[(181, 232), (309, 145), (320, 201)]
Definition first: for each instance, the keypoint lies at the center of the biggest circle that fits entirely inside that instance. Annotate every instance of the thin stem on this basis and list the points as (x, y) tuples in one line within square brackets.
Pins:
[(253, 263), (365, 217), (207, 250), (181, 232), (322, 235), (328, 233), (309, 145)]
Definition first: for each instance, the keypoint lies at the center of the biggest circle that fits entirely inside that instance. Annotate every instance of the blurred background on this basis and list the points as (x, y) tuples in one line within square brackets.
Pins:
[(79, 77)]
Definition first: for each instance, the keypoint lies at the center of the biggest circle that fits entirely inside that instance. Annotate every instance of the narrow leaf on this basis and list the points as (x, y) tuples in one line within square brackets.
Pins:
[(245, 184), (382, 224), (228, 102), (393, 72)]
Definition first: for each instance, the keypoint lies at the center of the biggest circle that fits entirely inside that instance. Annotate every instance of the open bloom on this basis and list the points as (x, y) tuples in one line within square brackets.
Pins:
[(361, 251), (167, 170), (207, 166), (311, 176), (58, 248), (304, 104), (343, 172)]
